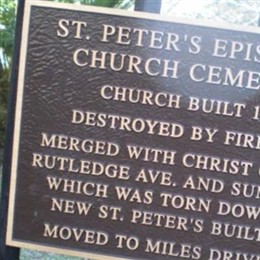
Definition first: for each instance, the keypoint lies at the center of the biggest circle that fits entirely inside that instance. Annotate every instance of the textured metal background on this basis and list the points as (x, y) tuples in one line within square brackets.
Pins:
[(54, 86)]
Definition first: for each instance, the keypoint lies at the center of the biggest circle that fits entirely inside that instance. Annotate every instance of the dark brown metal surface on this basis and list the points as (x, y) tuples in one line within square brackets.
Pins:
[(55, 86)]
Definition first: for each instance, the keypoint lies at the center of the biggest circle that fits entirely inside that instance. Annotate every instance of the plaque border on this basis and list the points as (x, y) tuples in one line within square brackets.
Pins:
[(19, 100)]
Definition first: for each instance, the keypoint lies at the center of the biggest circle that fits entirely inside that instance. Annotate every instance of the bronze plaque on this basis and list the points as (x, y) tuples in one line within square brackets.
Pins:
[(136, 136)]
